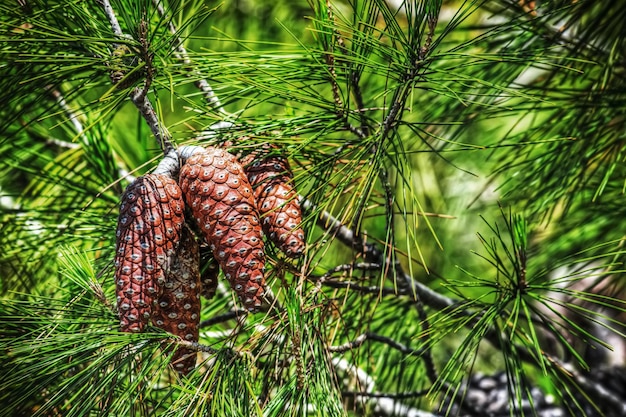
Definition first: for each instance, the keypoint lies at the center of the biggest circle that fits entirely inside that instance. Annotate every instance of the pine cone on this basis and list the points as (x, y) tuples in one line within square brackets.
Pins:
[(177, 310), (277, 201), (209, 271), (148, 229), (220, 197)]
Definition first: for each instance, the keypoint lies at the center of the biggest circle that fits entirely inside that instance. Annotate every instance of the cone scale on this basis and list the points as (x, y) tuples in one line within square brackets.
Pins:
[(177, 309)]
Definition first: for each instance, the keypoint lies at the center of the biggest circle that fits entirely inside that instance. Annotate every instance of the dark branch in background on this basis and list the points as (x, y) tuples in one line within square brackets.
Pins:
[(396, 396), (139, 95), (363, 266), (372, 254), (373, 289), (181, 53), (589, 387), (231, 315), (359, 340)]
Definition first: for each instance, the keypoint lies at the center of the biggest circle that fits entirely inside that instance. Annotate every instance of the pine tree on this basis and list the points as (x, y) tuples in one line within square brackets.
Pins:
[(459, 171)]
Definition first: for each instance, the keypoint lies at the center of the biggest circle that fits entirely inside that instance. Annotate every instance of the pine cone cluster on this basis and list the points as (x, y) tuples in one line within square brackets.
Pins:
[(162, 267)]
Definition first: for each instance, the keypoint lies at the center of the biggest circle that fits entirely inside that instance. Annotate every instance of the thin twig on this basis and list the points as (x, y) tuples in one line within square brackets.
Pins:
[(401, 94), (143, 104), (231, 315), (372, 289), (389, 218), (61, 143), (197, 347), (427, 357), (432, 24), (80, 132), (360, 339), (330, 62), (362, 131), (139, 96), (363, 266), (360, 105)]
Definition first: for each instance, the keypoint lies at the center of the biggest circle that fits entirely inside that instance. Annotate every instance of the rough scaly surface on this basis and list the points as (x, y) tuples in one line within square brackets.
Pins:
[(148, 230), (277, 201), (220, 197)]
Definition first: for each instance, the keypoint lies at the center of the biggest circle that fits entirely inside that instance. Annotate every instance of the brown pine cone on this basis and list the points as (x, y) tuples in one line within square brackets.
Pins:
[(220, 197), (277, 200), (177, 310), (148, 229)]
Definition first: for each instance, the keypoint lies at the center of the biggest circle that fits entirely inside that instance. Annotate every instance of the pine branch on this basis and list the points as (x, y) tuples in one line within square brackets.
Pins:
[(401, 94), (372, 254), (231, 315), (360, 339), (330, 62), (328, 43), (429, 297), (139, 96)]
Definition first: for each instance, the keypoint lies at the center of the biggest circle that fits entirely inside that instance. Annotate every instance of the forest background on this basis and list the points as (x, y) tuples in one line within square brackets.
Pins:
[(460, 166)]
